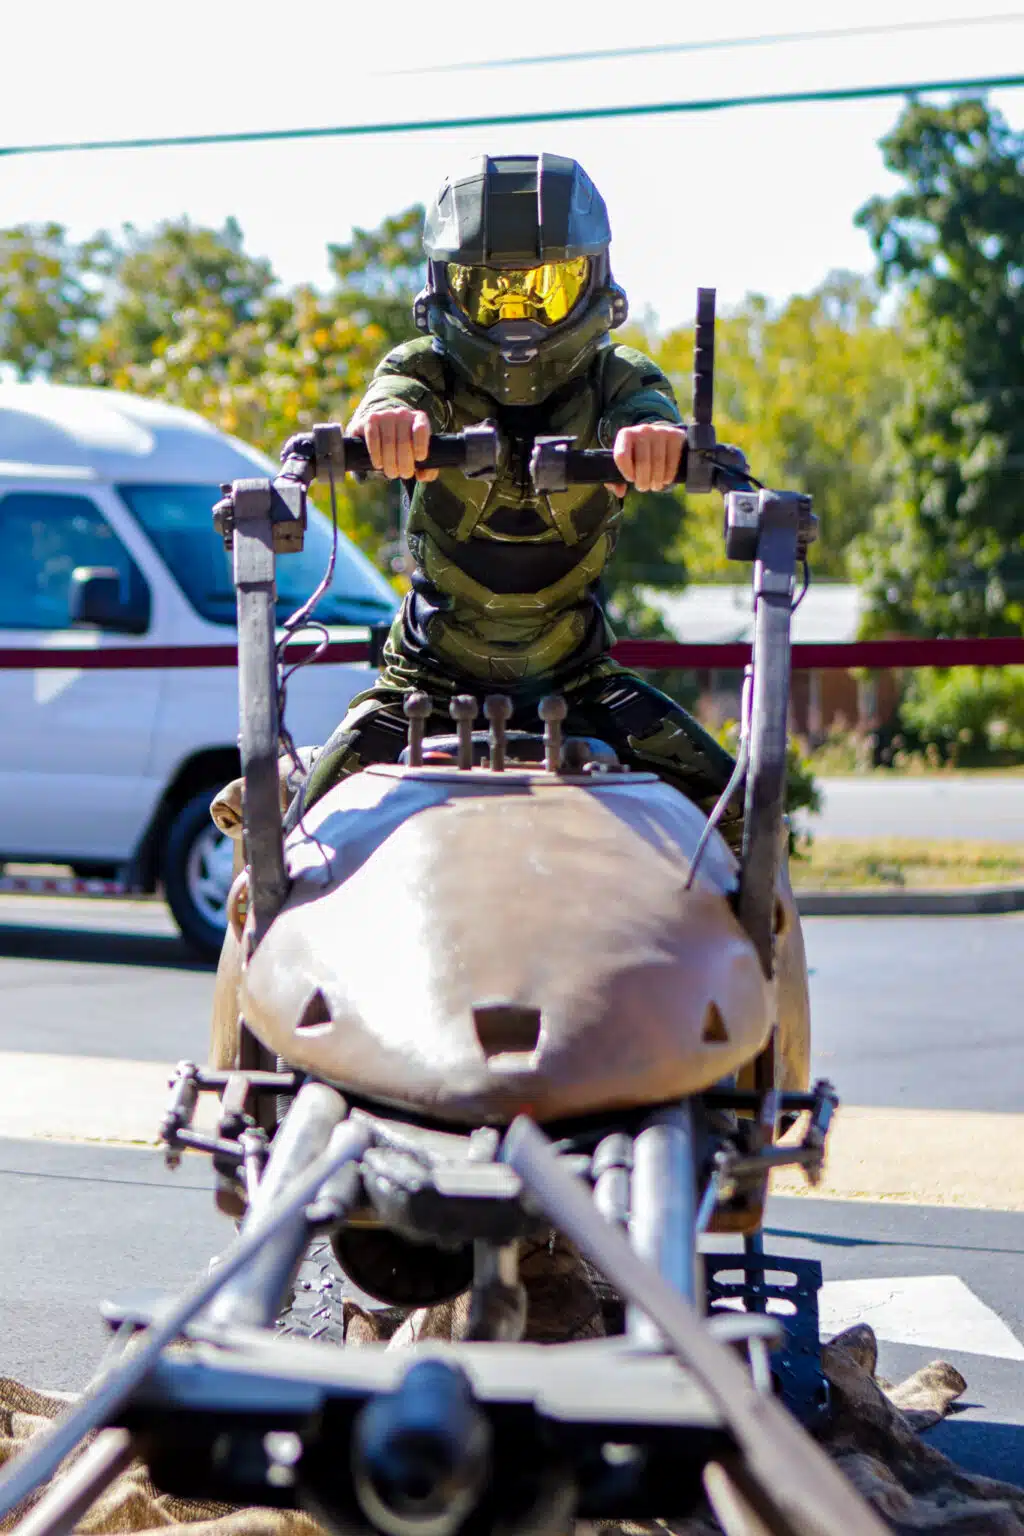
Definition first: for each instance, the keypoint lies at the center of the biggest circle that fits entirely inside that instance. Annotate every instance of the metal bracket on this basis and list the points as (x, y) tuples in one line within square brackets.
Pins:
[(548, 464), (795, 1283), (282, 500)]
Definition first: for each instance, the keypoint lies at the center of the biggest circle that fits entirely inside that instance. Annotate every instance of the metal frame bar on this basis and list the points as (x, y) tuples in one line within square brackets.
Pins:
[(801, 1492), (41, 1458)]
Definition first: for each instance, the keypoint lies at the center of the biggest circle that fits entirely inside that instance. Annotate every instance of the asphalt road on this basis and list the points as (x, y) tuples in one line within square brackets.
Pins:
[(919, 1011), (984, 807), (908, 1012), (100, 978)]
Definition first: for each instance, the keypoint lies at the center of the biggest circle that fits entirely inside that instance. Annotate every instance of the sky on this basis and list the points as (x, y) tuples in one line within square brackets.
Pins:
[(746, 200)]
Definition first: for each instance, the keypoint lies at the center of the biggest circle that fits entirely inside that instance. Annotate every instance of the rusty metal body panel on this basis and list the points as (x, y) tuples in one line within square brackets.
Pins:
[(482, 943)]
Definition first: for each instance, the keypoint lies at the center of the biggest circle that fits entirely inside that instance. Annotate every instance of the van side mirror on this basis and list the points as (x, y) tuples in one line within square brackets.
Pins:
[(99, 596)]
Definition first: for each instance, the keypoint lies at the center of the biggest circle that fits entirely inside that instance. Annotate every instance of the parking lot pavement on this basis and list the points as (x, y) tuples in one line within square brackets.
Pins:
[(983, 806), (936, 1278), (82, 1223), (100, 978)]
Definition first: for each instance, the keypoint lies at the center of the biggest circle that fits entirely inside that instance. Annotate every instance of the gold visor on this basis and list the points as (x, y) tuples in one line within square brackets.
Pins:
[(545, 294)]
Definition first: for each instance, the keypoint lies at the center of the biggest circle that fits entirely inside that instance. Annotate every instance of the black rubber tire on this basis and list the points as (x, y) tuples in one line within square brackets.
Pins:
[(187, 825), (317, 1307)]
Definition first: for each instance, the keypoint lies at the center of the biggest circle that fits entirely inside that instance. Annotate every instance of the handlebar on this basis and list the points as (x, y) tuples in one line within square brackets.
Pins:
[(327, 450), (555, 465)]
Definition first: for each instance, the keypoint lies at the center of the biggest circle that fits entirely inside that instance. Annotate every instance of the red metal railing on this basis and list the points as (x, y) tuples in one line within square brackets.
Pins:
[(876, 654)]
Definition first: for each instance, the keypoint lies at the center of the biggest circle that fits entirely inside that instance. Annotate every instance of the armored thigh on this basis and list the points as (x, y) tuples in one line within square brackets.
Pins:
[(649, 730)]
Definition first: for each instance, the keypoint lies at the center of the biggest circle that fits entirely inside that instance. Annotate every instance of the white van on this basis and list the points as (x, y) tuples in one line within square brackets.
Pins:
[(107, 544)]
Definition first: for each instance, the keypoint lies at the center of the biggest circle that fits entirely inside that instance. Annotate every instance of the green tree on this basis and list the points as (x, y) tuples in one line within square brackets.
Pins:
[(173, 278), (945, 553), (804, 390), (49, 296), (378, 274), (190, 316)]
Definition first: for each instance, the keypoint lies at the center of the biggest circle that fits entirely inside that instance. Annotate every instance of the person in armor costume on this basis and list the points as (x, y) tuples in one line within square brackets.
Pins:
[(504, 598)]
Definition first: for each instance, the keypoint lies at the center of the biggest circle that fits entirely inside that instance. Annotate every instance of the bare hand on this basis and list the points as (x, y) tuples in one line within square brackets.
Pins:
[(648, 456), (397, 440)]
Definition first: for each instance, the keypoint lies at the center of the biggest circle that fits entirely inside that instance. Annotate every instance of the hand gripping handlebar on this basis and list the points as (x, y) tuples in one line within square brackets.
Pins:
[(326, 451), (555, 465)]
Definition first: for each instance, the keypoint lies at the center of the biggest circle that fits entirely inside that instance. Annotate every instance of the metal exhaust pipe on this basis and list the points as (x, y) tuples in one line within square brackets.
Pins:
[(255, 1296), (663, 1210)]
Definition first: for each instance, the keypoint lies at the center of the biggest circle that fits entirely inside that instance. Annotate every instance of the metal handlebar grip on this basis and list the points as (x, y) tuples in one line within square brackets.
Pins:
[(555, 465), (326, 449)]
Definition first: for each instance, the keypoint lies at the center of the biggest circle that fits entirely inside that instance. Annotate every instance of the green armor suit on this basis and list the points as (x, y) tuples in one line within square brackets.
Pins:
[(505, 595)]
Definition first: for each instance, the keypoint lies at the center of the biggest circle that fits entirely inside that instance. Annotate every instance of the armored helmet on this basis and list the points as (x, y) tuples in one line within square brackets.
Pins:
[(519, 289)]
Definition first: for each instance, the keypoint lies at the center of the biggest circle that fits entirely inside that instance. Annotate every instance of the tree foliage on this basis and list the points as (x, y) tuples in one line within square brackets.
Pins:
[(945, 553), (48, 299), (187, 314), (804, 390)]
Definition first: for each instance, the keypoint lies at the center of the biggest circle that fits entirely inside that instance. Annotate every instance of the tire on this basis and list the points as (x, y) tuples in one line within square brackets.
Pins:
[(317, 1308), (195, 870)]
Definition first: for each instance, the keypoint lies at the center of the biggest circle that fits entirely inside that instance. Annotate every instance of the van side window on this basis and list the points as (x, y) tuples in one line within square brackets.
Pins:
[(43, 537)]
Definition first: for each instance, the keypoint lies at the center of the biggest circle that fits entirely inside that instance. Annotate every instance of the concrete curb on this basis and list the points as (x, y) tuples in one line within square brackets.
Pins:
[(955, 901)]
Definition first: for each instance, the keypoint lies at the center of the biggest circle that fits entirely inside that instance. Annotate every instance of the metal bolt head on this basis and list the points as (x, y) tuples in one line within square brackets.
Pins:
[(497, 708), (417, 706), (552, 708), (464, 707)]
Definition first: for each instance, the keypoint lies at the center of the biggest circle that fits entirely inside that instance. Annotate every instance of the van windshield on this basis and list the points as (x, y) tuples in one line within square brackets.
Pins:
[(178, 521)]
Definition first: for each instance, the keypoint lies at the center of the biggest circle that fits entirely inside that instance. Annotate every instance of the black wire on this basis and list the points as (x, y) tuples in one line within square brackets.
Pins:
[(301, 620), (710, 44), (736, 472), (806, 583)]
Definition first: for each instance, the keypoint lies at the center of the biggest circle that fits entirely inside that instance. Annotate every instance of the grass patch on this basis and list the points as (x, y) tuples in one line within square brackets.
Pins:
[(834, 863)]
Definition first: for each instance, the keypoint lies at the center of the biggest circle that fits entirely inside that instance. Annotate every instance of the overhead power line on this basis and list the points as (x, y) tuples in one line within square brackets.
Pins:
[(716, 44), (514, 119)]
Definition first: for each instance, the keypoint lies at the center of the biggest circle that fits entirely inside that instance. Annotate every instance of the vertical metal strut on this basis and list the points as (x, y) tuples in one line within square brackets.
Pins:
[(256, 596)]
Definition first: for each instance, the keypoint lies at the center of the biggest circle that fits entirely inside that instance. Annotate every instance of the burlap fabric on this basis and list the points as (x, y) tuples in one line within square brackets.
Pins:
[(874, 1434)]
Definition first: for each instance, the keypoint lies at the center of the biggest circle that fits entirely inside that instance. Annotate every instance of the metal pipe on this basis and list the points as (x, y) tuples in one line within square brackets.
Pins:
[(96, 1407), (780, 514), (254, 1297), (66, 1501), (417, 708), (663, 1209), (256, 600), (463, 710), (552, 709), (802, 1492), (610, 1168), (497, 713)]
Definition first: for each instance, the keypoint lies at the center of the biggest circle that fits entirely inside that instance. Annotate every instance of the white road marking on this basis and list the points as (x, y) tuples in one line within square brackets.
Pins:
[(935, 1311)]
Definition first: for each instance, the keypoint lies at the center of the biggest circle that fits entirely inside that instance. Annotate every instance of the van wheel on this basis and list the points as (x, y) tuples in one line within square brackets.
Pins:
[(196, 870)]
